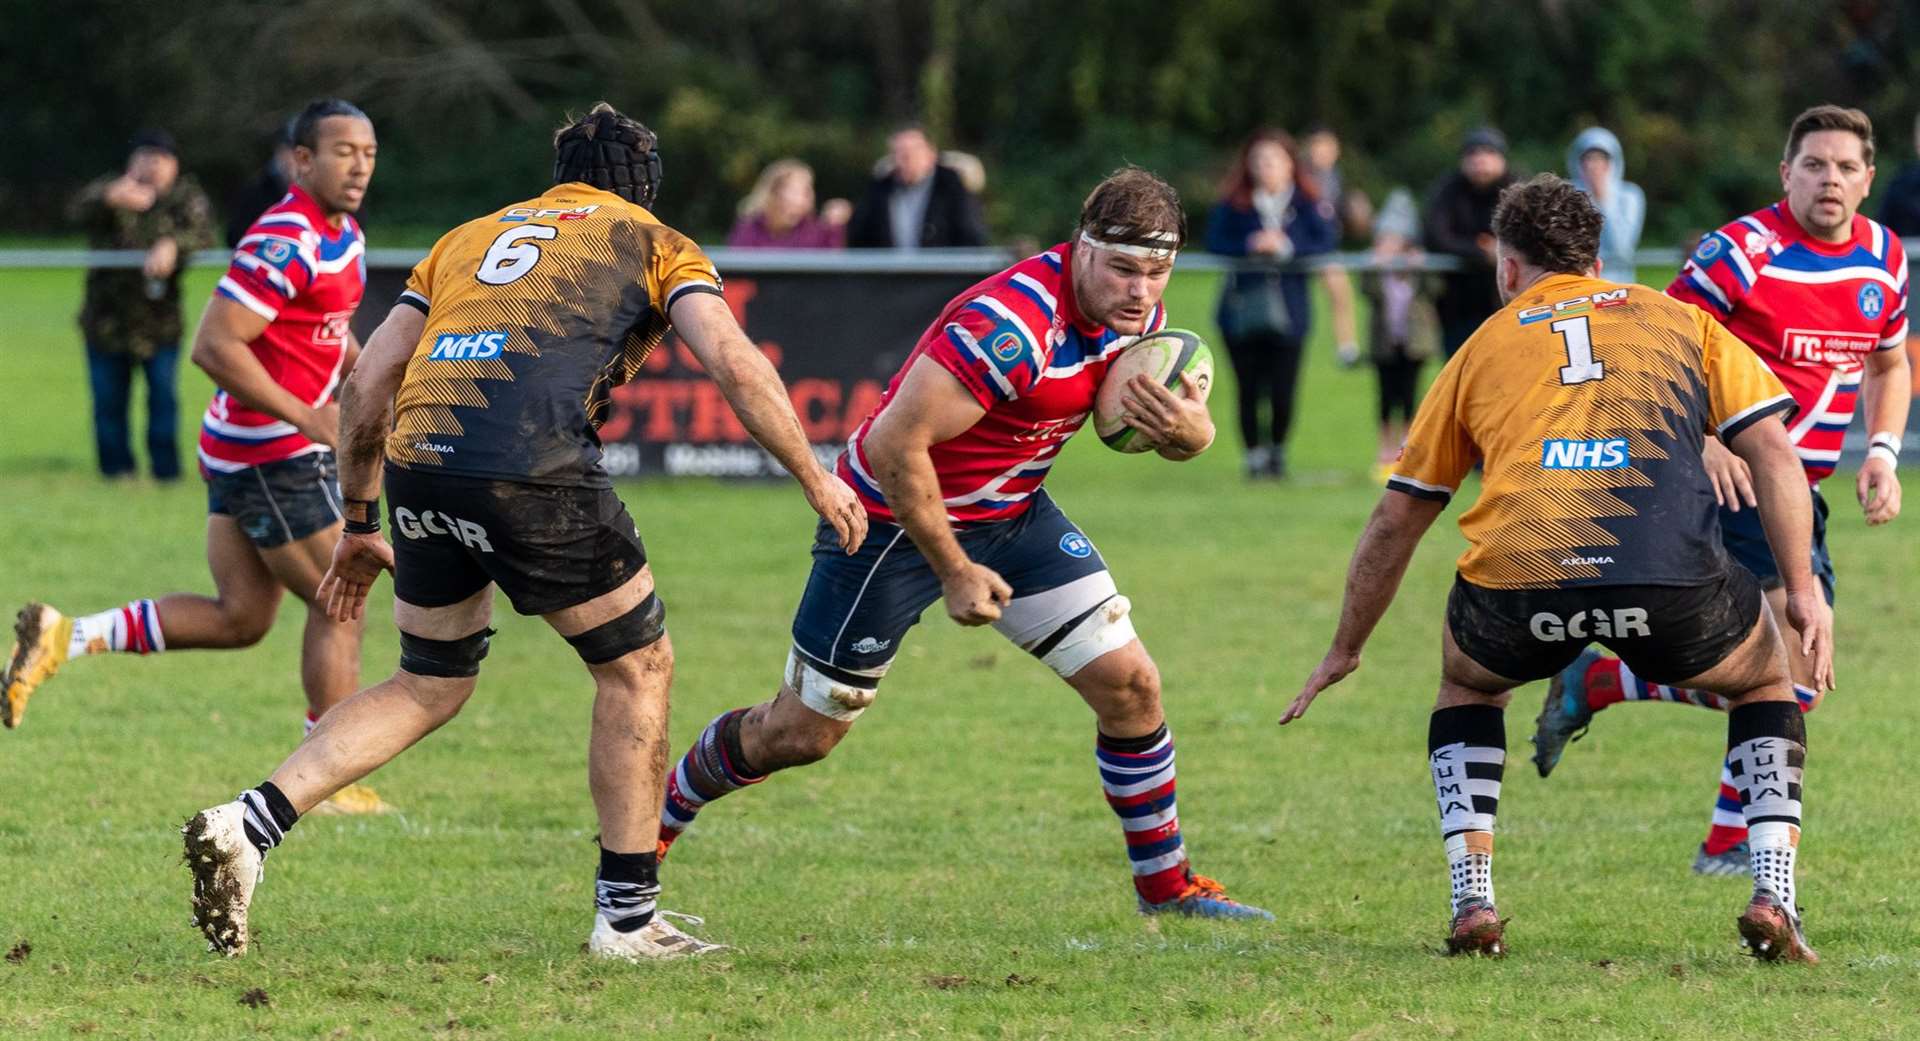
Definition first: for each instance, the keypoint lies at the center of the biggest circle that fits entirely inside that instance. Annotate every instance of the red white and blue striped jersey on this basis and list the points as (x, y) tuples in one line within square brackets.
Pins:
[(305, 278), (1022, 349), (1812, 310)]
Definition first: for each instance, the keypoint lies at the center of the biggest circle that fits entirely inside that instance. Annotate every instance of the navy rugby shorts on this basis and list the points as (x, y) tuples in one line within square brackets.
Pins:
[(280, 502), (1746, 542), (858, 607)]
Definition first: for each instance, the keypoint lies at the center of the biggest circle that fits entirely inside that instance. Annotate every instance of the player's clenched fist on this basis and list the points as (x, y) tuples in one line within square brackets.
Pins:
[(839, 506), (975, 594)]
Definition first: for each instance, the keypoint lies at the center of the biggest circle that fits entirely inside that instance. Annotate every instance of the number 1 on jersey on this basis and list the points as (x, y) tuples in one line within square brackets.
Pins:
[(1577, 334), (511, 256)]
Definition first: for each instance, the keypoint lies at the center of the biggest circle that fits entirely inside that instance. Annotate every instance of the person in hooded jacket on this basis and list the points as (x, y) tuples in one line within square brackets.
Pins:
[(1597, 167)]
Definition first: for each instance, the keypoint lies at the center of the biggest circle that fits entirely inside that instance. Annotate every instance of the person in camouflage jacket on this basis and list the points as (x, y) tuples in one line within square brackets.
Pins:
[(131, 316)]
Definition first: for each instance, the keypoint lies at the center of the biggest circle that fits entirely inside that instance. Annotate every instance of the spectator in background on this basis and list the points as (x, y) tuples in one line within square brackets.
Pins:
[(1900, 212), (1459, 224), (131, 316), (268, 186), (1597, 167), (919, 204), (1404, 330), (1900, 209), (1323, 169), (778, 212), (1267, 210)]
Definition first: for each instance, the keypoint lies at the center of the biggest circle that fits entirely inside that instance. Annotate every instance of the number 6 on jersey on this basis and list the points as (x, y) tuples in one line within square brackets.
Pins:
[(511, 256)]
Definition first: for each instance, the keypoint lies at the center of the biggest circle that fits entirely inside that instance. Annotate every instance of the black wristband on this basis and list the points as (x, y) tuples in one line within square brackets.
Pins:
[(362, 516)]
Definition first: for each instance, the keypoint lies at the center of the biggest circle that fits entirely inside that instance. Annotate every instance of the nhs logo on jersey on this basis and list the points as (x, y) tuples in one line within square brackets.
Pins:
[(467, 346), (1609, 454)]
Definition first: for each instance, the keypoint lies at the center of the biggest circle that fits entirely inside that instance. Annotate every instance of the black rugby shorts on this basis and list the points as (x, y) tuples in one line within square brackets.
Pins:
[(548, 547), (1665, 634)]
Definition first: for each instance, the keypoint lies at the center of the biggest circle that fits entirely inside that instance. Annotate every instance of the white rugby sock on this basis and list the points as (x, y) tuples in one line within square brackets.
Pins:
[(135, 628), (1467, 752), (1773, 845), (1767, 760), (1470, 865)]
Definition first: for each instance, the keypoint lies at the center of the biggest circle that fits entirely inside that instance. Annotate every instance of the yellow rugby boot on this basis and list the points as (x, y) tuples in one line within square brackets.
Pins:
[(355, 800), (40, 638)]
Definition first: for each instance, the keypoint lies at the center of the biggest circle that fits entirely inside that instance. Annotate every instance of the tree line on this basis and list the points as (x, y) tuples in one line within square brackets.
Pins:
[(1049, 95)]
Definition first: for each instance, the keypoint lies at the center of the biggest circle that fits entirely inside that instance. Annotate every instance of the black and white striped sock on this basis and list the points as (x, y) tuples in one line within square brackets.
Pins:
[(1767, 756), (1467, 754), (269, 815), (627, 886)]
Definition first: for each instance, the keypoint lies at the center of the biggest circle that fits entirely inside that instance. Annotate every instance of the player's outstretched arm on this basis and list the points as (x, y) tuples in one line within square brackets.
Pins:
[(1786, 512), (932, 406), (1373, 577), (366, 402), (753, 389), (1886, 393), (220, 348)]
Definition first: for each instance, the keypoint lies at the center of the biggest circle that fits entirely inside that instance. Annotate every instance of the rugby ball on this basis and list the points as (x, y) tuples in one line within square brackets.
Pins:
[(1163, 356)]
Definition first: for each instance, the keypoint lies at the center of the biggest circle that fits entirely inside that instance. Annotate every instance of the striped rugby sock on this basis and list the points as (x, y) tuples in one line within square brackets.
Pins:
[(713, 767), (627, 888), (1769, 754), (1729, 825), (1610, 682), (1467, 755), (269, 815), (134, 628), (1137, 774)]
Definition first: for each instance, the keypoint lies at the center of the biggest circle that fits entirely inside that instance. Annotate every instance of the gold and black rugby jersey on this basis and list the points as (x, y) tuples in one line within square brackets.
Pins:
[(1588, 403), (534, 313)]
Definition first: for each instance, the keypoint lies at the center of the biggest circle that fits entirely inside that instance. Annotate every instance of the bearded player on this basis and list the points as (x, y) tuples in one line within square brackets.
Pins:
[(276, 341), (1587, 403), (949, 467), (1819, 292)]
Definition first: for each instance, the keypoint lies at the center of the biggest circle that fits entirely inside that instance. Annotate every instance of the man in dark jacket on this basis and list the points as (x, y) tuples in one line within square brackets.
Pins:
[(131, 316), (919, 204), (268, 186), (1900, 206), (1460, 224)]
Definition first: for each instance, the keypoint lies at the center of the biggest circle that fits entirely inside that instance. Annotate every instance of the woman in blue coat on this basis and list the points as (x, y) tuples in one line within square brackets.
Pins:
[(1268, 211)]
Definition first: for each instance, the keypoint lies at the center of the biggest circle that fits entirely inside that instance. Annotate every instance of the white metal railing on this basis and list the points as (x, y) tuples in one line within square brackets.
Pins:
[(823, 261)]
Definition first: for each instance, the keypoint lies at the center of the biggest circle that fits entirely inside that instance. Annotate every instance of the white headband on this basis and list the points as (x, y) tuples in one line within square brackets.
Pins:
[(1167, 252)]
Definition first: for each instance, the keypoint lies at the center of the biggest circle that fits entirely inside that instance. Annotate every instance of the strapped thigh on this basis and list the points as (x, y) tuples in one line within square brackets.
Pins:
[(1069, 626)]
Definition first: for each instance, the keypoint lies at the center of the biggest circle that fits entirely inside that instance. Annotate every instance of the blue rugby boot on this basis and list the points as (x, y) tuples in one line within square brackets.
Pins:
[(1735, 861), (1565, 715), (1205, 898)]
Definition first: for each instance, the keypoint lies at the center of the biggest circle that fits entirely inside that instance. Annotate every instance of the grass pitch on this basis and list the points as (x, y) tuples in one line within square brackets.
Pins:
[(952, 869)]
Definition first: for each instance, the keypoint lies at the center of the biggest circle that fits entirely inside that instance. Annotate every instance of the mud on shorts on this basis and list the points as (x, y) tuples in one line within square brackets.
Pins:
[(548, 547), (1664, 633), (280, 502), (857, 608)]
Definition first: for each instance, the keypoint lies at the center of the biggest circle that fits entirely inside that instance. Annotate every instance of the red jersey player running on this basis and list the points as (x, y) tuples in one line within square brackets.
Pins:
[(276, 341), (1819, 292), (949, 467)]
